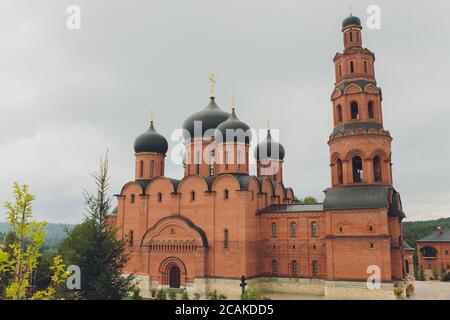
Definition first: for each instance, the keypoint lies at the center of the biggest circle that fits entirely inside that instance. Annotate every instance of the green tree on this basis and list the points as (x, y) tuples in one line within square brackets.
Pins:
[(421, 274), (96, 249), (308, 200), (19, 257)]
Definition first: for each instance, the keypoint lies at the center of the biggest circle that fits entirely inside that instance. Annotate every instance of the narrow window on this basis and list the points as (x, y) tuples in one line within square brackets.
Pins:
[(339, 113), (294, 267), (372, 245), (225, 238), (370, 228), (351, 35), (130, 238), (354, 110), (274, 267), (340, 71), (132, 198), (141, 169), (293, 230), (357, 169), (315, 268), (211, 163), (446, 252), (274, 229), (352, 67), (197, 166), (339, 171), (226, 160), (357, 36), (365, 66), (159, 197), (314, 229), (192, 195), (152, 168), (370, 110), (226, 194), (238, 160), (377, 169)]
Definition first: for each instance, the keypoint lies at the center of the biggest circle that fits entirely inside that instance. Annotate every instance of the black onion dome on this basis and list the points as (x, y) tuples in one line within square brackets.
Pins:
[(269, 149), (351, 21), (151, 141), (210, 117), (239, 130)]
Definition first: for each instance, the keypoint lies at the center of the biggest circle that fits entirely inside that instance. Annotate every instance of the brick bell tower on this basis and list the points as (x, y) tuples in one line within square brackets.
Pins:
[(359, 146), (363, 208)]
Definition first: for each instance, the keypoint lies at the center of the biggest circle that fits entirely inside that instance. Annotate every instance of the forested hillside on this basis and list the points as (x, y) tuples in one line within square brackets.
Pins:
[(416, 230)]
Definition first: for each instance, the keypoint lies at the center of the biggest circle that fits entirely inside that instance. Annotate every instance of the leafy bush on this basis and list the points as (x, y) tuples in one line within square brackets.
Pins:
[(213, 295), (172, 295), (197, 296), (136, 294), (398, 292), (254, 293), (446, 277), (161, 295), (184, 294)]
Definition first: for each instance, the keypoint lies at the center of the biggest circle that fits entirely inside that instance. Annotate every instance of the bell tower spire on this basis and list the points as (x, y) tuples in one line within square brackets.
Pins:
[(360, 148)]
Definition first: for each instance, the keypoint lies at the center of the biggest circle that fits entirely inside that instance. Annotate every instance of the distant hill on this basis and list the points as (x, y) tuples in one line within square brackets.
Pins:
[(416, 230), (55, 233)]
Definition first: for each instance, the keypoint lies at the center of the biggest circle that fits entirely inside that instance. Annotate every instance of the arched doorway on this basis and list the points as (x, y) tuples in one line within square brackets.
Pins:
[(174, 277)]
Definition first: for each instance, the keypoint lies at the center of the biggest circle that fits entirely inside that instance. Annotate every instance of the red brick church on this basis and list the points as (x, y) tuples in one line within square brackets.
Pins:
[(220, 222)]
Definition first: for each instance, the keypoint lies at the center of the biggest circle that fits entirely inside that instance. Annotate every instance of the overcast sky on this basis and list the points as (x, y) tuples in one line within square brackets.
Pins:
[(68, 95)]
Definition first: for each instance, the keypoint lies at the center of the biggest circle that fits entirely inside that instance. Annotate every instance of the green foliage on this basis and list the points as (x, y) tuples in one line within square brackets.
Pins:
[(421, 274), (172, 295), (96, 249), (253, 293), (446, 277), (398, 292), (161, 295), (213, 295), (20, 253), (197, 296), (184, 294), (136, 294), (435, 274), (308, 200)]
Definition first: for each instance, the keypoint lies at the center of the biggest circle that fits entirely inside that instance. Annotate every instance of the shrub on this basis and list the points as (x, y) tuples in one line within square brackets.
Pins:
[(197, 296), (254, 293), (161, 295), (136, 294), (446, 277), (421, 274), (212, 295), (172, 295), (398, 292), (184, 294)]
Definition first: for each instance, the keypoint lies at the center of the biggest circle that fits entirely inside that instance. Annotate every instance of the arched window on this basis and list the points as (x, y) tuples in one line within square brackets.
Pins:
[(197, 163), (274, 229), (192, 195), (339, 113), (294, 268), (132, 198), (226, 194), (371, 110), (314, 229), (226, 160), (377, 169), (354, 110), (340, 71), (341, 227), (152, 168), (351, 35), (159, 197), (406, 266), (238, 160), (315, 268), (357, 169), (352, 67), (141, 168), (274, 267), (293, 229), (130, 238), (225, 238), (340, 175), (428, 252), (365, 66)]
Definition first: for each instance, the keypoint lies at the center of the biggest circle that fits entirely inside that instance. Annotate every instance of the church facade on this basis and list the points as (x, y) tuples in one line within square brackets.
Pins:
[(219, 222)]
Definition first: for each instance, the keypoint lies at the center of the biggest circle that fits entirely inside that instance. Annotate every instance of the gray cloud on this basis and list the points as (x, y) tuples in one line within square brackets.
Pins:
[(67, 96)]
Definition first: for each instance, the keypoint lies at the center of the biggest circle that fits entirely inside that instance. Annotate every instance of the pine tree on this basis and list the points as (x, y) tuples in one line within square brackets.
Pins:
[(96, 249)]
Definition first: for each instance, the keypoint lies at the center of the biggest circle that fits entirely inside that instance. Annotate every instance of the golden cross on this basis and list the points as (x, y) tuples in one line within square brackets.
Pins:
[(233, 102), (152, 114), (212, 80)]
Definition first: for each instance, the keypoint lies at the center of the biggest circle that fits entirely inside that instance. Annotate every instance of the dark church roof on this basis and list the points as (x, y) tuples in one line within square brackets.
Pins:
[(407, 247), (351, 21), (363, 197), (151, 141), (294, 207), (436, 236)]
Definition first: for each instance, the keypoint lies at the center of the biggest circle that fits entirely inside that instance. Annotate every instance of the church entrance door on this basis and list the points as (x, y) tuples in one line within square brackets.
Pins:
[(174, 277)]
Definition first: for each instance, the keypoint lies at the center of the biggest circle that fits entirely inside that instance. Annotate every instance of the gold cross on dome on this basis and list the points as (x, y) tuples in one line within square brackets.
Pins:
[(212, 80), (152, 114), (233, 102)]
